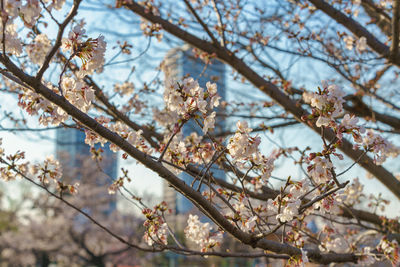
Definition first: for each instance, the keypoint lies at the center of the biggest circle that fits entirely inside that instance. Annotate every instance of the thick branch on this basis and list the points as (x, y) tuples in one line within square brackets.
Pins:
[(394, 49)]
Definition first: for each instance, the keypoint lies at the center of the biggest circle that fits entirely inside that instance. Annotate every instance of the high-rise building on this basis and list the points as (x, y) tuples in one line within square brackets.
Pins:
[(75, 158), (178, 63)]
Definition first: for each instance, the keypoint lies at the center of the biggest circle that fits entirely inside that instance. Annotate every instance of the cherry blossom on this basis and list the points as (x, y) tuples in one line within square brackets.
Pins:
[(304, 258), (320, 170), (390, 249), (38, 50), (30, 12), (90, 51), (56, 4), (151, 29), (156, 234), (12, 42), (361, 44), (336, 244), (328, 103), (35, 104), (349, 40), (49, 170), (381, 148), (125, 88), (78, 93), (200, 233), (1, 149), (156, 227), (289, 211), (209, 122), (242, 145)]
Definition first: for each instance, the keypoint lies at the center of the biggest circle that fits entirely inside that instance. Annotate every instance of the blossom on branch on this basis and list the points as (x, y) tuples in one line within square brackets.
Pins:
[(200, 233)]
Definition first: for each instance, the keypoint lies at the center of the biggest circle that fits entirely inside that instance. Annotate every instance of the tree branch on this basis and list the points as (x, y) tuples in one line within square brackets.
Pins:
[(394, 49)]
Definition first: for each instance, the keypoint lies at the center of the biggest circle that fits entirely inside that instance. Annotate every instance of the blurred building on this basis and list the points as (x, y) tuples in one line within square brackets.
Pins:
[(77, 163), (178, 63)]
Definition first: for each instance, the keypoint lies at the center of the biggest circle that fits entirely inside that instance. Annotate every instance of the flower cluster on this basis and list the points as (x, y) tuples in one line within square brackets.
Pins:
[(165, 117), (290, 202), (334, 243), (151, 29), (200, 233), (125, 88), (92, 138), (156, 227), (35, 104), (133, 137), (117, 184), (381, 147), (349, 125), (156, 232), (78, 93), (361, 44), (352, 193), (242, 146), (12, 42), (56, 4), (1, 149), (50, 169), (241, 216), (188, 97), (320, 170), (15, 168), (135, 103), (390, 249), (289, 211), (188, 150), (38, 50), (329, 204), (298, 260), (30, 12), (90, 51), (328, 104)]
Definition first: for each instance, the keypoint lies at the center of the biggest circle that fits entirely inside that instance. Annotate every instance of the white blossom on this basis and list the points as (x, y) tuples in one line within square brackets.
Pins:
[(200, 233), (38, 50), (290, 210), (348, 40), (156, 234), (209, 122), (338, 244), (49, 170), (320, 171), (361, 44)]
